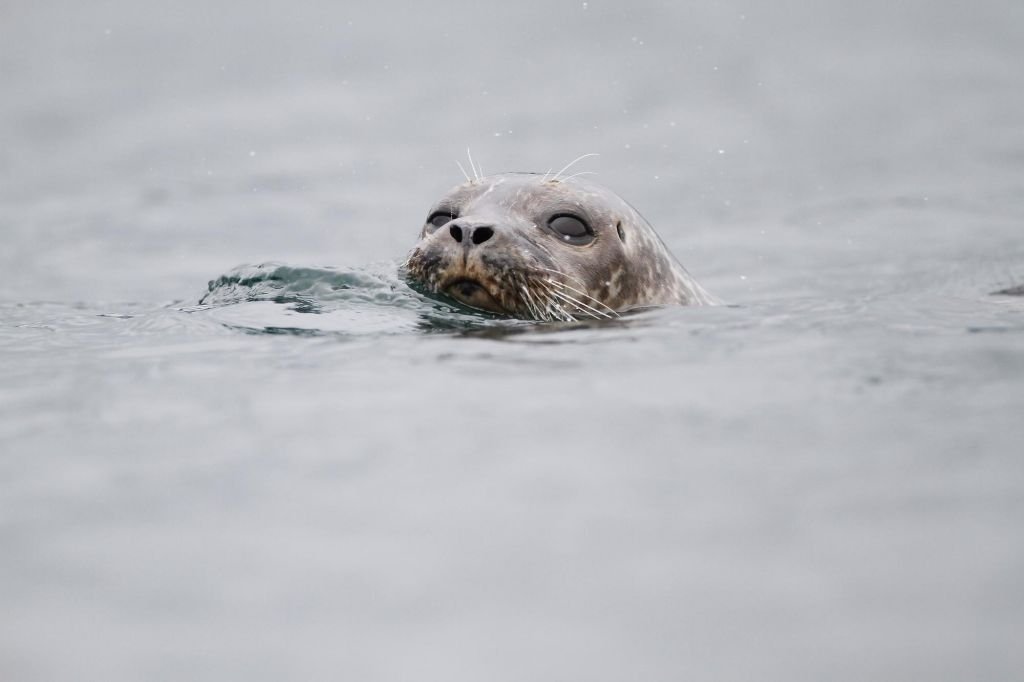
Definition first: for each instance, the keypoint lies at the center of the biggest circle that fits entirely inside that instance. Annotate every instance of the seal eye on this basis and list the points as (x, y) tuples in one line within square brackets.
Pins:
[(440, 219), (570, 228)]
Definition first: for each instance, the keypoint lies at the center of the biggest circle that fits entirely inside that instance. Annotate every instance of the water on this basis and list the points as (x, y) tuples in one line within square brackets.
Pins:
[(310, 472)]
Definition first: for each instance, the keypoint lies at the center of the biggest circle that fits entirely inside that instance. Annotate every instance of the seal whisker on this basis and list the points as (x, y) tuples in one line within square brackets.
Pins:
[(544, 314), (568, 316), (588, 297), (570, 165), (581, 305), (570, 177), (563, 299), (582, 293), (548, 314), (471, 164), (529, 302), (563, 274), (464, 173), (556, 302), (557, 312)]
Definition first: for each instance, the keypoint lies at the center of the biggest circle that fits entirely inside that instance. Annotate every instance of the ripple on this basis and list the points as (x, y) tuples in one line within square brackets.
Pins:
[(1011, 291), (274, 298)]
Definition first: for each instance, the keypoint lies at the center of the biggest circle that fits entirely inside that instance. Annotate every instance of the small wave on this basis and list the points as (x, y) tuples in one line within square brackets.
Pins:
[(274, 298), (1010, 291), (314, 287)]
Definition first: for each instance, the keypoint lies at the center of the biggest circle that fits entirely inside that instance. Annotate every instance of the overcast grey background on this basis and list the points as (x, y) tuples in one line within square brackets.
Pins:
[(823, 482)]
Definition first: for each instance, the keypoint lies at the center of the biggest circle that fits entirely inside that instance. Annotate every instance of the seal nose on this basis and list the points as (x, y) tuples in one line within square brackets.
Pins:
[(475, 235)]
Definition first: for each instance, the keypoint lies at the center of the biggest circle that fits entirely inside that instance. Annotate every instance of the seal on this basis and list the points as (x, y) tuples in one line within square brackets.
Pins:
[(545, 248)]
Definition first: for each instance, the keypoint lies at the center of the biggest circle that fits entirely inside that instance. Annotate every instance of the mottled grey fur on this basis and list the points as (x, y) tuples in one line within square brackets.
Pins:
[(526, 270)]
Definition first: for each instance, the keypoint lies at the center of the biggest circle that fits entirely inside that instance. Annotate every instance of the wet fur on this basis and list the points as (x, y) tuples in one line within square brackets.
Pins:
[(530, 272)]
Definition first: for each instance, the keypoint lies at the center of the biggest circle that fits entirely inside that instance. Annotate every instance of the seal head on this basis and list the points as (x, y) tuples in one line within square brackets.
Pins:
[(533, 247)]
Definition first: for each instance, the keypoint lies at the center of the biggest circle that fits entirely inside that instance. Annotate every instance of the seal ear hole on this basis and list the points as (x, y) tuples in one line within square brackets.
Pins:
[(622, 233)]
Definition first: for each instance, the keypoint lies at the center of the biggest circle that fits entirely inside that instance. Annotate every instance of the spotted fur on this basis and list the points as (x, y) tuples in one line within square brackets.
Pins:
[(523, 269)]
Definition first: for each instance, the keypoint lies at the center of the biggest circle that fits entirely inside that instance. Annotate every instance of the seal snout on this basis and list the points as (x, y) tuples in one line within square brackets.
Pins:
[(472, 293), (472, 234)]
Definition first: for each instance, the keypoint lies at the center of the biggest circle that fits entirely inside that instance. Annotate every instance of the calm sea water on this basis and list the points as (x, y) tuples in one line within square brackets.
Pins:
[(316, 474)]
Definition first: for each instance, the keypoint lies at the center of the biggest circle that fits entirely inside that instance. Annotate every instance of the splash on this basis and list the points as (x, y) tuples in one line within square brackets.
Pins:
[(275, 298)]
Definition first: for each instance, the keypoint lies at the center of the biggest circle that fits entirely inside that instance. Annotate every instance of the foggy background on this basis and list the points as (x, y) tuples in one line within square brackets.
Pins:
[(822, 483)]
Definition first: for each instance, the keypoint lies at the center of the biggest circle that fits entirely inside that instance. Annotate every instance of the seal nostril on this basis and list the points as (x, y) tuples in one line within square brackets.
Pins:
[(618, 228), (482, 234), (456, 232)]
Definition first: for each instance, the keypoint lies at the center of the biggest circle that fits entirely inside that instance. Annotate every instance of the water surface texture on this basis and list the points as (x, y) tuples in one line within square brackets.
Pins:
[(235, 445)]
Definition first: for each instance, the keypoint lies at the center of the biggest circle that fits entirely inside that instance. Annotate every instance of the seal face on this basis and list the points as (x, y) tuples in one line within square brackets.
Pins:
[(534, 247)]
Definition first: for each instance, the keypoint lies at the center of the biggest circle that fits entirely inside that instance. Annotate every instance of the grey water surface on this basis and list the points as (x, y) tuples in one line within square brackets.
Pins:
[(235, 445)]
